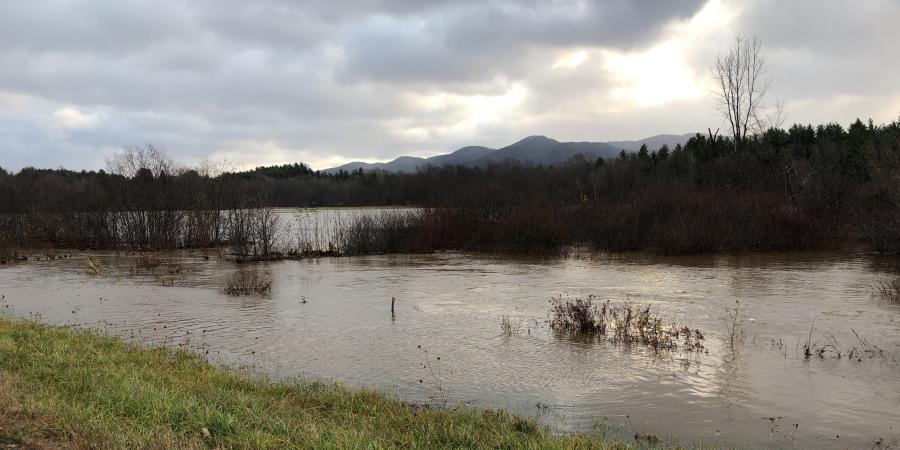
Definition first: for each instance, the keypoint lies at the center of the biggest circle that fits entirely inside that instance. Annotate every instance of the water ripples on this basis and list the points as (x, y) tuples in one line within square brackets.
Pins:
[(451, 304)]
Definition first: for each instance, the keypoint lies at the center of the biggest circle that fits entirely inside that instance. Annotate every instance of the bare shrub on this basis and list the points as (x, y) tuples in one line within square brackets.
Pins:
[(254, 232), (578, 316), (239, 234), (390, 232), (625, 323), (267, 229), (247, 282)]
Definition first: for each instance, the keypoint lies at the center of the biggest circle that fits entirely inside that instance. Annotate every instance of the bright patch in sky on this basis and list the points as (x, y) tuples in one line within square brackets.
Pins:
[(466, 112), (653, 77), (71, 118), (571, 60), (487, 108), (662, 73)]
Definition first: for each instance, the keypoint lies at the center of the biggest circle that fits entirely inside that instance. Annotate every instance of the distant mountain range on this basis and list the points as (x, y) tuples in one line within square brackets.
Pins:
[(533, 150)]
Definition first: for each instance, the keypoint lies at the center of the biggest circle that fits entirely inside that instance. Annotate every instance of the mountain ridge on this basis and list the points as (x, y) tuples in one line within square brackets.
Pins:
[(533, 150)]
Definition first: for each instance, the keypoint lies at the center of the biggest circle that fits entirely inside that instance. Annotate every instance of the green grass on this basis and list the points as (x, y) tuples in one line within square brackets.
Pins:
[(61, 387)]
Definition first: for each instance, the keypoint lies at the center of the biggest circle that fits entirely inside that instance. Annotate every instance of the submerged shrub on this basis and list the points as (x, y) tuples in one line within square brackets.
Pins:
[(247, 282), (625, 323), (577, 317)]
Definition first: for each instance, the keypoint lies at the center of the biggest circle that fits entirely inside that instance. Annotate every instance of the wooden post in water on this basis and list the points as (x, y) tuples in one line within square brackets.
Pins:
[(392, 307)]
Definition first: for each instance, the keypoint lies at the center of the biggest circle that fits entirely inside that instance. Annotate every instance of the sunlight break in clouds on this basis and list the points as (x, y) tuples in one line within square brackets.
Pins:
[(465, 112), (571, 60), (663, 73), (71, 118), (653, 77)]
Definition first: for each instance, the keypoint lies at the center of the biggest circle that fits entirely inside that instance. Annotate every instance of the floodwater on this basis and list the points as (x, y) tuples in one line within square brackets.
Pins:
[(331, 319)]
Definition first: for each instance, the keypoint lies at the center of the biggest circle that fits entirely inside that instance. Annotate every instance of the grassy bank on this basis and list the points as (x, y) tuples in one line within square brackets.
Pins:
[(67, 388)]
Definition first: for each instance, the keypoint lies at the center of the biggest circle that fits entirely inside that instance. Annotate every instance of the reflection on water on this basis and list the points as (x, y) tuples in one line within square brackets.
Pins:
[(450, 304)]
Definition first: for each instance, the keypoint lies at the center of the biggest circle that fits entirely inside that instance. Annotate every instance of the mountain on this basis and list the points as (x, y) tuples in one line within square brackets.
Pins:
[(653, 142), (401, 164), (564, 151), (406, 164), (460, 157), (546, 151), (535, 150), (527, 150)]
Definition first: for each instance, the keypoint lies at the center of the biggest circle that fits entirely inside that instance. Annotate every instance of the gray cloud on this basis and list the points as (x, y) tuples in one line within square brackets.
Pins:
[(325, 81)]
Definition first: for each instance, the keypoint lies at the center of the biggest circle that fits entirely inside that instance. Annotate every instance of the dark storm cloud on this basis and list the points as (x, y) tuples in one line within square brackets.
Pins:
[(324, 81), (465, 43)]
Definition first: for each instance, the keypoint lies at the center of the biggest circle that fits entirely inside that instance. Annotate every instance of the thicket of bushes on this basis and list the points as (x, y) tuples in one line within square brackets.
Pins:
[(803, 187)]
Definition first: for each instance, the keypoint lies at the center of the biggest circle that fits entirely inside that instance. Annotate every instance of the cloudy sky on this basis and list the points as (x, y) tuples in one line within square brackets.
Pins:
[(330, 81)]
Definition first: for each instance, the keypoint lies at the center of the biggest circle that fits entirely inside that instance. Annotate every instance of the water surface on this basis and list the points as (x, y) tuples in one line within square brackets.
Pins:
[(330, 318)]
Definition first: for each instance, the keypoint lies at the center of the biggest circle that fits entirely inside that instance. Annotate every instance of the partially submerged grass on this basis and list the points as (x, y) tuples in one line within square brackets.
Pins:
[(888, 290), (510, 327), (154, 265), (96, 268), (247, 282), (66, 388), (827, 346), (146, 262), (625, 323)]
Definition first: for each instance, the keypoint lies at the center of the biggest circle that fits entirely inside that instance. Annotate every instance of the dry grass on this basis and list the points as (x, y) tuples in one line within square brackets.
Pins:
[(96, 268)]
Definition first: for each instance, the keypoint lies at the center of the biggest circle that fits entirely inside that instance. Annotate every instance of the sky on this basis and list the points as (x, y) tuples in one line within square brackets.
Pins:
[(331, 81)]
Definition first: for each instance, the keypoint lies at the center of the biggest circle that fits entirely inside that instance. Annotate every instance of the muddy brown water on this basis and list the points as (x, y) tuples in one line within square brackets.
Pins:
[(331, 319)]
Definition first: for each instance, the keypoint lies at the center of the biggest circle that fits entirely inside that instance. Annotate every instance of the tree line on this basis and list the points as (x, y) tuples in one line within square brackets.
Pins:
[(801, 187)]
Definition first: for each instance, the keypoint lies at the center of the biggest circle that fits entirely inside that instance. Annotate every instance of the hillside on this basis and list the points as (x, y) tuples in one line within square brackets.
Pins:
[(532, 150)]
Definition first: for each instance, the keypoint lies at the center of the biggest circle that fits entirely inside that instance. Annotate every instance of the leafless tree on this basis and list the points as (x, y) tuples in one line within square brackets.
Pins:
[(208, 167), (740, 88), (267, 228), (130, 160)]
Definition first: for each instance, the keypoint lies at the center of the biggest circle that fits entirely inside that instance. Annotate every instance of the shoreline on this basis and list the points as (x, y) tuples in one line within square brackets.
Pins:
[(62, 387)]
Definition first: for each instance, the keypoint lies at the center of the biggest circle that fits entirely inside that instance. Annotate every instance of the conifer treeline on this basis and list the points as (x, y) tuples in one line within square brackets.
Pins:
[(803, 187)]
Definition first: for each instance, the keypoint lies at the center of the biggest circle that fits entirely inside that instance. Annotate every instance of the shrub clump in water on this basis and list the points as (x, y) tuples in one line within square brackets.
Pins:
[(246, 282), (625, 323)]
